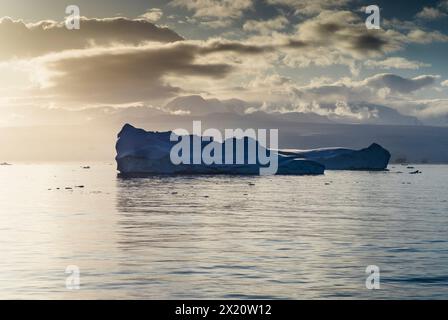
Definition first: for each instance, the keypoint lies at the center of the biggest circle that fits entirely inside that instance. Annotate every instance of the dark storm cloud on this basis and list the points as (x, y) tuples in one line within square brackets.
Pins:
[(346, 33), (123, 74), (368, 42)]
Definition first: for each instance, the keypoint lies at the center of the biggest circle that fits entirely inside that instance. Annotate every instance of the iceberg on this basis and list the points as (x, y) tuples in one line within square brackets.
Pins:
[(141, 152), (373, 158)]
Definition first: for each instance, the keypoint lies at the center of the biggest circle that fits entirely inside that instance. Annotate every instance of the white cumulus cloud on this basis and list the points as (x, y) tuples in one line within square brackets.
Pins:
[(153, 15)]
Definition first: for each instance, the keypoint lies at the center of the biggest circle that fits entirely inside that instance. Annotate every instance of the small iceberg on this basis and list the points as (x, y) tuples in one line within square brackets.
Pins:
[(141, 153), (373, 158)]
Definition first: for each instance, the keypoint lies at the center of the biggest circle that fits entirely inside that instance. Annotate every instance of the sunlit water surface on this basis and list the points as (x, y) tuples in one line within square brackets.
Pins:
[(222, 237)]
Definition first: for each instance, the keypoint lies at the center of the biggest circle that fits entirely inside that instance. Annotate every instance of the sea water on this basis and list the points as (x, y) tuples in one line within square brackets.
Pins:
[(221, 237)]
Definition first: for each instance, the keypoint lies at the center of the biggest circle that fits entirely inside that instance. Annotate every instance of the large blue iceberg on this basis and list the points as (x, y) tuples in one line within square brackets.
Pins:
[(140, 152)]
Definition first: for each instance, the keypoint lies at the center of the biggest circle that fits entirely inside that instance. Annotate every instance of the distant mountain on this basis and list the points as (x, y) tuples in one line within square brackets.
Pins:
[(196, 105), (301, 117), (389, 116), (354, 113), (370, 114)]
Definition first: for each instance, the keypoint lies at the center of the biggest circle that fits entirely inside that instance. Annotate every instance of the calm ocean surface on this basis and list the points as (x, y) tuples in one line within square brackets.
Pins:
[(222, 237)]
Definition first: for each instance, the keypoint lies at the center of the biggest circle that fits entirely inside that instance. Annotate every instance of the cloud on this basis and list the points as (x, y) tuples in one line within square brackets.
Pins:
[(377, 88), (344, 31), (431, 111), (434, 13), (395, 63), (34, 39), (399, 84), (425, 37), (368, 100), (223, 12), (429, 13), (216, 23), (330, 38), (311, 7), (220, 45), (445, 83), (340, 37), (443, 4), (266, 26), (122, 74), (153, 15), (120, 60)]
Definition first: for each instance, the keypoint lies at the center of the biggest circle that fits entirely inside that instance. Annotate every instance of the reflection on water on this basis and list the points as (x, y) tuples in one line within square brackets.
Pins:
[(222, 237)]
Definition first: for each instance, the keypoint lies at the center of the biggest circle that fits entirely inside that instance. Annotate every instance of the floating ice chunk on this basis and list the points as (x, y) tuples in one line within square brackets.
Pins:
[(141, 152), (372, 158)]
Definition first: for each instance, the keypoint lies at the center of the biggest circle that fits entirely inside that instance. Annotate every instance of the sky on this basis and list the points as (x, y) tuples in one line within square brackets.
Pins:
[(242, 56)]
